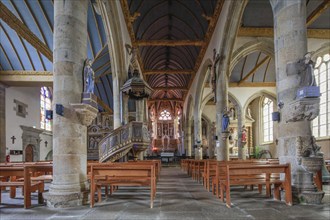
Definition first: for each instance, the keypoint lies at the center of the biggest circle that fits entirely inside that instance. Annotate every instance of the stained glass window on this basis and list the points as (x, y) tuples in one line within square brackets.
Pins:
[(45, 104), (165, 115)]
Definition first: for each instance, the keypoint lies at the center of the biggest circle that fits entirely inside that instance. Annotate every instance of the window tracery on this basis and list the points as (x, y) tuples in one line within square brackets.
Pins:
[(320, 125)]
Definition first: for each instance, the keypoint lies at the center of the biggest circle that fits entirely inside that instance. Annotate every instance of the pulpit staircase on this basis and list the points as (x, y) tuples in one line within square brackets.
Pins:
[(132, 136)]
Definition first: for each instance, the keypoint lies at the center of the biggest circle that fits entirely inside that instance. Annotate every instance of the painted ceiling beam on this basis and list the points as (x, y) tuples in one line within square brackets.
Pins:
[(318, 12), (170, 88), (253, 84), (22, 30), (169, 43), (182, 71), (26, 78), (165, 99), (104, 105), (254, 69), (269, 32)]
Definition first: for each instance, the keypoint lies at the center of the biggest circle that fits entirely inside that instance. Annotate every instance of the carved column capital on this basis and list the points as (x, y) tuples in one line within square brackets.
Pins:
[(86, 113)]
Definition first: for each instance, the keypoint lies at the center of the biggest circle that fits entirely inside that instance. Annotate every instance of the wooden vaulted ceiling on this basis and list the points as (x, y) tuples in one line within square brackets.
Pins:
[(171, 37)]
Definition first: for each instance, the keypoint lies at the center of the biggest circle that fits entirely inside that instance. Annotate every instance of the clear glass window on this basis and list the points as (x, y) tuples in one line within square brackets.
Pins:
[(321, 127), (267, 109)]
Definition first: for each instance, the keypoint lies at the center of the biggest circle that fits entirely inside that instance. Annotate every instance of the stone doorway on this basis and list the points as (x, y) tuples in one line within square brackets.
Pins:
[(31, 139), (29, 153)]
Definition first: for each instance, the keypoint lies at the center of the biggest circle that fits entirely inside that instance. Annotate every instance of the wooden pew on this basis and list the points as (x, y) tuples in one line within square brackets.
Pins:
[(218, 176), (209, 172), (156, 163), (197, 167), (28, 185), (120, 174), (235, 174)]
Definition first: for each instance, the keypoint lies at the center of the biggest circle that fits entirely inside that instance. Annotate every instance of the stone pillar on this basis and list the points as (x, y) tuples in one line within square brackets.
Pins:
[(198, 133), (211, 141), (222, 102), (241, 145), (124, 113), (116, 102), (69, 135), (187, 134), (290, 40), (2, 123)]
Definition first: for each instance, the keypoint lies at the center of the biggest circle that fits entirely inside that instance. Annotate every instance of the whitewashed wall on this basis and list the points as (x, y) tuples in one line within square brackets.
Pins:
[(31, 97)]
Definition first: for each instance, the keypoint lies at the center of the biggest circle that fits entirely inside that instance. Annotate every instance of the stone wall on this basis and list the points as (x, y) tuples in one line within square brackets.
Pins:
[(325, 146)]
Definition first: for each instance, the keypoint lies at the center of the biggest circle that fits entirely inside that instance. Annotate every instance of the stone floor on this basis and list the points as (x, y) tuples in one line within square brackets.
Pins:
[(178, 197)]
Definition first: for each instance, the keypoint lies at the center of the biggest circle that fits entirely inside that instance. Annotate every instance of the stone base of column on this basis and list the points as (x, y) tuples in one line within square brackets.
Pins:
[(303, 190), (198, 153), (66, 200)]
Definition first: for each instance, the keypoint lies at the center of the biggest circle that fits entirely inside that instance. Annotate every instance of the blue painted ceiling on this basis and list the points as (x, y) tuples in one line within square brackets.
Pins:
[(38, 15)]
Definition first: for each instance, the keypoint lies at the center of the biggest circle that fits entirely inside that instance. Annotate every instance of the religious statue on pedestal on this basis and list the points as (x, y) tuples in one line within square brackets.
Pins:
[(243, 134), (225, 120), (307, 77), (89, 77)]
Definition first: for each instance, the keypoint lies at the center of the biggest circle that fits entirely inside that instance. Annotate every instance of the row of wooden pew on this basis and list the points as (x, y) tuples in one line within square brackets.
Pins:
[(219, 176), (113, 175), (31, 177)]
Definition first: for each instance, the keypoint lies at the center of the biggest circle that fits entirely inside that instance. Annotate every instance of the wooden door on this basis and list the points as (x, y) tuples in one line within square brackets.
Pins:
[(29, 153)]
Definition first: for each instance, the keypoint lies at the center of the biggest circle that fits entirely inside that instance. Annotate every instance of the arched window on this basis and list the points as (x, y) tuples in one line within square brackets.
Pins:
[(321, 127), (165, 115), (45, 104), (267, 123)]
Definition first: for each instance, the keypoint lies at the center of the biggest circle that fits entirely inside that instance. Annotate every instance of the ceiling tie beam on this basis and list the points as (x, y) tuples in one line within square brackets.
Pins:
[(317, 12), (182, 71), (22, 30), (169, 43), (269, 32), (254, 69), (104, 105), (170, 88)]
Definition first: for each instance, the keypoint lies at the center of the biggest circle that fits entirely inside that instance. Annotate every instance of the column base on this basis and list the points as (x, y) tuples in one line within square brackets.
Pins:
[(198, 153), (66, 200)]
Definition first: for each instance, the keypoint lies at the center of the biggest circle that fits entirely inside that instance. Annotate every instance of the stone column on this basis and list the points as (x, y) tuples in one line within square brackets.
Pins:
[(69, 135), (222, 102), (241, 145), (2, 123), (198, 133), (290, 40), (116, 101), (187, 135), (124, 113)]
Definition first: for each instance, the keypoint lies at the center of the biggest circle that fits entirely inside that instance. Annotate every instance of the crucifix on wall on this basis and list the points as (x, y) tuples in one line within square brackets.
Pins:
[(13, 138), (46, 142)]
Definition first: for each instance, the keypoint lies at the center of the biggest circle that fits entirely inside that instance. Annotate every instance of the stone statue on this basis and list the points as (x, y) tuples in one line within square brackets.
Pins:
[(306, 147), (225, 119), (306, 71), (89, 77)]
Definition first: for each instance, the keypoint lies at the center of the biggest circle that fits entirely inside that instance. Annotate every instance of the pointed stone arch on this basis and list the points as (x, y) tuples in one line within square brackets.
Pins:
[(259, 94), (263, 45)]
